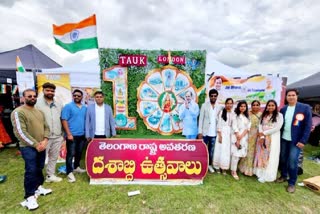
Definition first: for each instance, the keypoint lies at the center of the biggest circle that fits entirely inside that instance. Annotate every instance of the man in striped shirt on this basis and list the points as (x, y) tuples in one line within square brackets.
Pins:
[(32, 131)]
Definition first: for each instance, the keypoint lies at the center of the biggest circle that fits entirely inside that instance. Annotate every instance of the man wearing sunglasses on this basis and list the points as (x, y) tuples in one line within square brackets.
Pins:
[(32, 131), (73, 121)]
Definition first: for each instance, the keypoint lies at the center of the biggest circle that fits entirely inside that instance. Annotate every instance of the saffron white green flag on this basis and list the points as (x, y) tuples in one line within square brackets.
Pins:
[(77, 36), (25, 80), (19, 65)]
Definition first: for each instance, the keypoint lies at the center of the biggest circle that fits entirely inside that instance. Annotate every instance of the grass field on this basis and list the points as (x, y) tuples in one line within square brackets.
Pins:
[(218, 194)]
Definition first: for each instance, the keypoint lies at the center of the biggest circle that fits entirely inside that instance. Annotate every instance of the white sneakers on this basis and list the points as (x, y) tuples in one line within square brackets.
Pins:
[(53, 178), (71, 177), (42, 191), (30, 203), (79, 170), (210, 168), (261, 180)]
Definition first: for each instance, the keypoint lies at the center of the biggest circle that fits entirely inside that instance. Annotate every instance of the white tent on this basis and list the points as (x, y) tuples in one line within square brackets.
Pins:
[(86, 74)]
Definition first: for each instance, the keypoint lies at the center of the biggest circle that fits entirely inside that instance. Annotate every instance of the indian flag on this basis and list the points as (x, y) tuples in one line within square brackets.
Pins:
[(19, 65), (77, 36)]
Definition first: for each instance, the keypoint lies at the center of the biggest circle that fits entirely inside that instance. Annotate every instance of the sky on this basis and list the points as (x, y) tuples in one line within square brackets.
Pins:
[(256, 36)]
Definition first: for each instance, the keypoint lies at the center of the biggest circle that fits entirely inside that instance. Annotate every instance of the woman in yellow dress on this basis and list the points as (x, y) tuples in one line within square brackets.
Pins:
[(246, 163)]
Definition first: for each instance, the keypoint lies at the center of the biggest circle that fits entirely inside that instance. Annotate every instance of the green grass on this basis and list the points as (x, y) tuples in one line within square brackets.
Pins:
[(218, 194)]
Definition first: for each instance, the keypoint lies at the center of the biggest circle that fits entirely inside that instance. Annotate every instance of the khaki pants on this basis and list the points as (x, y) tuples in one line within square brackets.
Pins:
[(52, 151)]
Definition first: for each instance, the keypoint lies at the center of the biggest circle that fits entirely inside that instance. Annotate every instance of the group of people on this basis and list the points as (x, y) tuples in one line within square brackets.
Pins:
[(40, 126), (250, 141)]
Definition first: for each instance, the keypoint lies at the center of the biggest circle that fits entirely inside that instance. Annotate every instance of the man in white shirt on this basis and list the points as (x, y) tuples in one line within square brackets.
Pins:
[(99, 119), (208, 124)]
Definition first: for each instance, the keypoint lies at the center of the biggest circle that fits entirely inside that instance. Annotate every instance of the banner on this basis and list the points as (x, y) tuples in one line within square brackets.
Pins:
[(262, 88), (25, 80), (146, 161), (163, 78), (62, 83)]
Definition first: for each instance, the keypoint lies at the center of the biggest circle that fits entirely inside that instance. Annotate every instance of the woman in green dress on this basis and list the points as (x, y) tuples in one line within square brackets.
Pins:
[(246, 163)]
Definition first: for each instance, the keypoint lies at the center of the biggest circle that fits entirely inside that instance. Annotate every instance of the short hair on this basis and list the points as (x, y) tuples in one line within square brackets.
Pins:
[(27, 90), (98, 92), (294, 90), (191, 95), (77, 90), (213, 91), (49, 85)]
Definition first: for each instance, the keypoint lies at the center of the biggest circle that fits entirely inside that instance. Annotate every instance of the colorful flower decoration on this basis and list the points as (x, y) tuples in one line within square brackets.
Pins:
[(160, 96)]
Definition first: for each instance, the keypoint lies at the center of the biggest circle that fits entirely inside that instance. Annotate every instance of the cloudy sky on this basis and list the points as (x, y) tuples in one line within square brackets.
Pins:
[(258, 36)]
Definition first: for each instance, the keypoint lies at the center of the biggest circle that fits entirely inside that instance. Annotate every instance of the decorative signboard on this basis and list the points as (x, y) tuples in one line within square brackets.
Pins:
[(152, 79), (146, 161)]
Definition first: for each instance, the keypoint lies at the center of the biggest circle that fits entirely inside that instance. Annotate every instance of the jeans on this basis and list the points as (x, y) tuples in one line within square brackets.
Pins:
[(289, 156), (34, 164), (74, 149), (210, 141)]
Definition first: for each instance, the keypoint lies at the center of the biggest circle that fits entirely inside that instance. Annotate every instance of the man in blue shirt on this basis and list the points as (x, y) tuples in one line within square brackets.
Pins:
[(73, 121)]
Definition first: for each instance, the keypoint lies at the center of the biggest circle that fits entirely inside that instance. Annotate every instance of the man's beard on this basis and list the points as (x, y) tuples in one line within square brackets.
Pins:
[(31, 102), (48, 96)]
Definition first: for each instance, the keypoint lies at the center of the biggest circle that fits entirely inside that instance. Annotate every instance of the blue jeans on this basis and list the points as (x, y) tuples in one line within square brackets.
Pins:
[(191, 136), (74, 149), (210, 141), (34, 164), (289, 158)]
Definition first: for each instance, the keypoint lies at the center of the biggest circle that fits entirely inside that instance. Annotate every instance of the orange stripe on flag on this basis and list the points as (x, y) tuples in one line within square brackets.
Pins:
[(68, 27)]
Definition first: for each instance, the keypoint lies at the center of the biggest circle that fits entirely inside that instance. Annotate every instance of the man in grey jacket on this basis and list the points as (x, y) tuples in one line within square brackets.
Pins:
[(99, 119), (208, 124), (51, 109)]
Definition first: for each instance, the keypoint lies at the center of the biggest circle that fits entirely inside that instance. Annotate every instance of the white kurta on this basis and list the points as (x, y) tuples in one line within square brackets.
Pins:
[(221, 157), (269, 173), (240, 124)]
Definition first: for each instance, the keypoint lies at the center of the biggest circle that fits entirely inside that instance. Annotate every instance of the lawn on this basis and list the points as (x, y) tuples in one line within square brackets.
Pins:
[(218, 194)]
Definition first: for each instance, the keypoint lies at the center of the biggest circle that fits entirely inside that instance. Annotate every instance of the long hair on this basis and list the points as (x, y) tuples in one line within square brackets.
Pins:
[(224, 111), (266, 112), (237, 110)]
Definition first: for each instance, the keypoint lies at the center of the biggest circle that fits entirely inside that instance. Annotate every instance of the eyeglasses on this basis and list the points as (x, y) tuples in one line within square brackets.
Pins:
[(30, 96), (76, 95)]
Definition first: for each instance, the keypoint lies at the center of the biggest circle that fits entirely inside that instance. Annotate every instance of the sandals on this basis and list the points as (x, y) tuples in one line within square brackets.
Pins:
[(235, 176)]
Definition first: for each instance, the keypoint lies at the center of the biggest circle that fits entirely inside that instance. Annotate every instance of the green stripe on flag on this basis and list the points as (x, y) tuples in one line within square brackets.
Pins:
[(21, 69), (79, 45)]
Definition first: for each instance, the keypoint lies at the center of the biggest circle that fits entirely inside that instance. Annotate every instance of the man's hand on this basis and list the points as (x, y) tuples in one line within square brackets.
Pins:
[(69, 137), (89, 139), (300, 145)]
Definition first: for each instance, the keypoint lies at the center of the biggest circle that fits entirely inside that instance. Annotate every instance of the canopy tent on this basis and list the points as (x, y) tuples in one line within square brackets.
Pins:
[(221, 69), (309, 88), (31, 57), (85, 74)]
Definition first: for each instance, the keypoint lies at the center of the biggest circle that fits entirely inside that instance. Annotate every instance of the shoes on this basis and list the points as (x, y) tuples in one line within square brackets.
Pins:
[(42, 191), (79, 170), (53, 178), (291, 188), (71, 177), (210, 168), (281, 180), (224, 172), (235, 176), (30, 203), (261, 180)]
